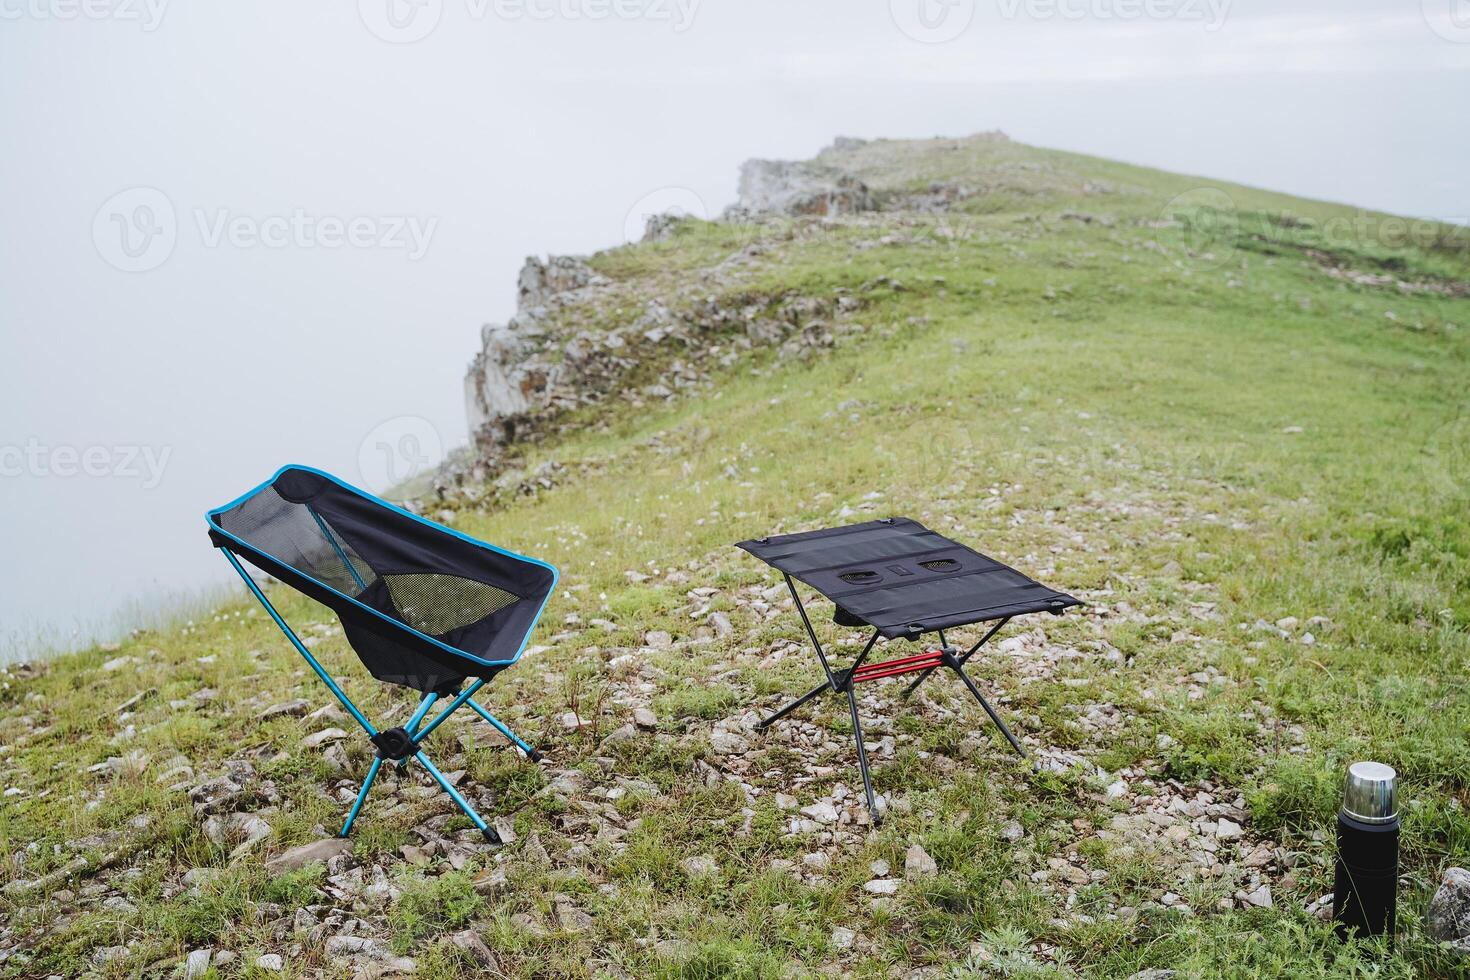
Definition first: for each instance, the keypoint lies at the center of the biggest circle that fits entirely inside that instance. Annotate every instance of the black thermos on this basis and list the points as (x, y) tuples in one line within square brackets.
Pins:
[(1366, 895)]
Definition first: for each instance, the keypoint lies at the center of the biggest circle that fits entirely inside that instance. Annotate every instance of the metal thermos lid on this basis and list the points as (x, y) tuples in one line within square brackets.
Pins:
[(1371, 793)]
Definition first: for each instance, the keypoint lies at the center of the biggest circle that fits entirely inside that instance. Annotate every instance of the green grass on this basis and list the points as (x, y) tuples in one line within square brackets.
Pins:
[(428, 907), (1192, 435)]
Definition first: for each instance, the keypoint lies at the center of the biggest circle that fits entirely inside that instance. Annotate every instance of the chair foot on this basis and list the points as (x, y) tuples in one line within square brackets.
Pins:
[(491, 836), (535, 755)]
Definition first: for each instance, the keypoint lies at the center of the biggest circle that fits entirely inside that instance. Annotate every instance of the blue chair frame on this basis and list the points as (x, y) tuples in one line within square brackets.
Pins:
[(396, 744)]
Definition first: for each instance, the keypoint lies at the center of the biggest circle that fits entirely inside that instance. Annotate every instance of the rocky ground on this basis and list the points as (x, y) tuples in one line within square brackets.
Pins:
[(801, 772), (1223, 446)]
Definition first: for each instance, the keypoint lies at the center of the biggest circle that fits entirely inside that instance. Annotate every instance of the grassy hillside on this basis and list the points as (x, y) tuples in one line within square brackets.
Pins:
[(1235, 423)]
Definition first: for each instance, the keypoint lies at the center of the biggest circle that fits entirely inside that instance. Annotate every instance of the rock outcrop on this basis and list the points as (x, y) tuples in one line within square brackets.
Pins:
[(535, 367), (506, 380), (843, 144), (800, 188), (579, 337), (541, 282), (503, 382)]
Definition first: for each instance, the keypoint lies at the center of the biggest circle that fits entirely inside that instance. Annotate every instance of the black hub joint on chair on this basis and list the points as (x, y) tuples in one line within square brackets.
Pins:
[(394, 744)]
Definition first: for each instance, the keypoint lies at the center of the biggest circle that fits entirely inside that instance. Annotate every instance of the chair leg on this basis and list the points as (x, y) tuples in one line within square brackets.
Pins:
[(454, 706), (955, 666), (367, 784), (412, 725), (767, 723), (531, 753), (857, 734), (459, 800)]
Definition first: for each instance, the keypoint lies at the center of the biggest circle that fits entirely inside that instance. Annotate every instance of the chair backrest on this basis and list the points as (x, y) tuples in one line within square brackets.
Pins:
[(415, 598)]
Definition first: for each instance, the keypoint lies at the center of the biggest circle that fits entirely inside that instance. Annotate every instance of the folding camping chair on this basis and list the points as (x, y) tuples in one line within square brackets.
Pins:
[(423, 606), (903, 580)]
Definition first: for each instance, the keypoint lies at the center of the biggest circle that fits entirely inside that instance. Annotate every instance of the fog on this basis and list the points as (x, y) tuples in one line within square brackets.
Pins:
[(241, 235)]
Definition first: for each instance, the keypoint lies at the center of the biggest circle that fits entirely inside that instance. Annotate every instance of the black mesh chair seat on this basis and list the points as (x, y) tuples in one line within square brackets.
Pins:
[(423, 606)]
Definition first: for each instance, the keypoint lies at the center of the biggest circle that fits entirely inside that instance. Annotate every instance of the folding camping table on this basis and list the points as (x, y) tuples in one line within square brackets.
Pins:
[(904, 581), (421, 605)]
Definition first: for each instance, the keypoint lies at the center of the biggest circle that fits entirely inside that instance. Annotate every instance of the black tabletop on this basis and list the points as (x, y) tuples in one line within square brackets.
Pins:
[(904, 579)]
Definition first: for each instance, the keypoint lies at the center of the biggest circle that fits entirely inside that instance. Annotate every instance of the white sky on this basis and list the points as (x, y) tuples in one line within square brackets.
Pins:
[(526, 126)]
